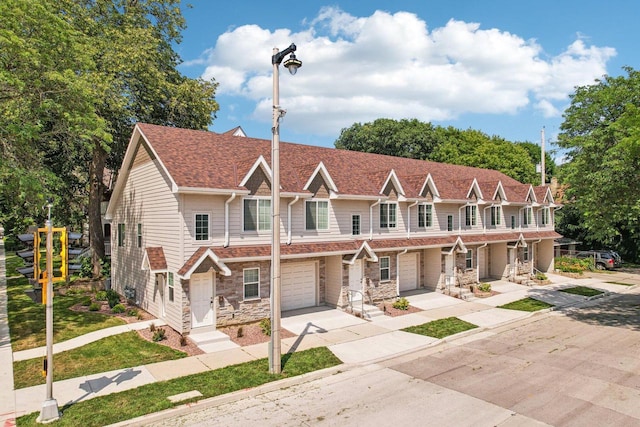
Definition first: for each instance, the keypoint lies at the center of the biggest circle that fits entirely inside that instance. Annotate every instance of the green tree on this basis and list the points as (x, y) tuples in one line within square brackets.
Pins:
[(77, 76), (601, 133), (403, 138)]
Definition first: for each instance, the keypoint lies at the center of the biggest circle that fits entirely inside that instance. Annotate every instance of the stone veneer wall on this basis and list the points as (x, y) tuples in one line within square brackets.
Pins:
[(464, 276), (233, 309), (375, 290)]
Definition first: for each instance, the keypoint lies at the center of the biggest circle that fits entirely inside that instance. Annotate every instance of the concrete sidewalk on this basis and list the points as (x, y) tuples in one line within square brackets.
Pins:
[(352, 339)]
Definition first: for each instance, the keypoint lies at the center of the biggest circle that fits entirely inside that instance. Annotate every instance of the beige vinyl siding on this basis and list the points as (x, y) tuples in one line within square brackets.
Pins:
[(544, 255), (202, 204), (333, 278), (148, 200), (499, 260), (432, 267)]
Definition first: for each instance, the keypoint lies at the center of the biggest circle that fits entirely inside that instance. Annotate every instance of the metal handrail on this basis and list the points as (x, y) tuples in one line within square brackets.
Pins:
[(351, 291)]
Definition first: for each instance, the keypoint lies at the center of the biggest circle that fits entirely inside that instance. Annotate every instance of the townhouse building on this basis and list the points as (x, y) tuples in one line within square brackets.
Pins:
[(191, 226)]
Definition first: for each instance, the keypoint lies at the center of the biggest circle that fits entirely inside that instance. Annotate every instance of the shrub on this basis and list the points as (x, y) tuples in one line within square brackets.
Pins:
[(133, 312), (101, 295), (94, 306), (158, 335), (265, 325), (240, 332), (86, 267), (113, 298), (118, 308), (573, 265), (183, 340), (86, 302), (152, 327), (484, 287), (401, 304), (541, 276)]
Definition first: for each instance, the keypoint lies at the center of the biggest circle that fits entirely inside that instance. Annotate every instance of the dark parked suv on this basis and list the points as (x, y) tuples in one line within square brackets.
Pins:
[(604, 260)]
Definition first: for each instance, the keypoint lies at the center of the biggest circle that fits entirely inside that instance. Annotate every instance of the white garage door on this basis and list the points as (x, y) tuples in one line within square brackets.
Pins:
[(298, 285), (408, 266)]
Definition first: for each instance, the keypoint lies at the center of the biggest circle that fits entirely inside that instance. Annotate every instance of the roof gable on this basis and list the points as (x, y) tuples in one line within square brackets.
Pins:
[(324, 173), (392, 181), (260, 163)]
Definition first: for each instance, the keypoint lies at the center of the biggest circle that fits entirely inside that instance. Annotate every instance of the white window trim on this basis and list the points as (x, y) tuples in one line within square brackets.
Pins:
[(424, 216), (388, 268), (388, 227), (257, 200), (139, 235), (471, 215), (121, 236), (244, 285), (306, 202), (170, 287), (468, 257), (195, 236), (525, 254), (452, 228), (496, 215), (359, 223), (545, 216)]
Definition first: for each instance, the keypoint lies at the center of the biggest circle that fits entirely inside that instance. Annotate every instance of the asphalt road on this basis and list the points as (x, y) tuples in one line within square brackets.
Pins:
[(576, 367)]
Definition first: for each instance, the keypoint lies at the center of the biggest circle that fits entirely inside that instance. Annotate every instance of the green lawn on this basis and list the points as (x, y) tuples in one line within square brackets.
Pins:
[(116, 352), (441, 328), (527, 304), (27, 319), (582, 290), (621, 283), (151, 398)]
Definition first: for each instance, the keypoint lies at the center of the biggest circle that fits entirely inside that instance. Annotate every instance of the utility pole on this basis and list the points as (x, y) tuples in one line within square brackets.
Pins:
[(49, 411), (542, 171)]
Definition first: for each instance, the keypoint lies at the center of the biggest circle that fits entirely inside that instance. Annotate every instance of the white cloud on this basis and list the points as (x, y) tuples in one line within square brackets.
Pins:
[(357, 69)]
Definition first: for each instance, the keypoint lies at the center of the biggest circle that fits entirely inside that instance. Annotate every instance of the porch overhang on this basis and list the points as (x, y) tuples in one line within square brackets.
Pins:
[(458, 247), (364, 251), (520, 243), (196, 260), (154, 260)]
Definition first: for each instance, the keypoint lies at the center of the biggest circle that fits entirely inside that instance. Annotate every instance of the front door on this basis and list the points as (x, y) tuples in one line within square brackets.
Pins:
[(202, 307), (449, 271), (355, 280)]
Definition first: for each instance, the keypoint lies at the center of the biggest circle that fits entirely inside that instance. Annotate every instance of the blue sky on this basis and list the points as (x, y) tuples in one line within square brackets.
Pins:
[(506, 68)]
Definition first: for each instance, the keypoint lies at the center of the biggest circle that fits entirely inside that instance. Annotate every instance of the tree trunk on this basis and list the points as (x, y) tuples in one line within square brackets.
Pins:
[(96, 193)]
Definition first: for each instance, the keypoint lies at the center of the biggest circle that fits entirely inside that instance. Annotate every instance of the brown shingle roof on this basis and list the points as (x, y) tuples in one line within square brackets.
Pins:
[(156, 258), (201, 159)]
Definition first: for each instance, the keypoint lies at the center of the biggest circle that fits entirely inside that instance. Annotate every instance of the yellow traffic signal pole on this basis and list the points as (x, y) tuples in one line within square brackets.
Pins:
[(50, 411)]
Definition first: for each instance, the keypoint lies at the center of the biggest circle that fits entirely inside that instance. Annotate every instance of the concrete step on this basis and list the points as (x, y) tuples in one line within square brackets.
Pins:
[(370, 311), (208, 336)]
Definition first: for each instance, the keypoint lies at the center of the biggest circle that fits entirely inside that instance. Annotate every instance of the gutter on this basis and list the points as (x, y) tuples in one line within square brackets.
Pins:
[(409, 218), (289, 218), (371, 218), (226, 219)]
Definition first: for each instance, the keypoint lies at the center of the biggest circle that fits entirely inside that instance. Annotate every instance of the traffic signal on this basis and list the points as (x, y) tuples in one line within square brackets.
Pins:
[(64, 254), (36, 255)]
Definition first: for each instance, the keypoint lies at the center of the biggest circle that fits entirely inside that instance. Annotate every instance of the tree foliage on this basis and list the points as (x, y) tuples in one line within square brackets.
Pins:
[(75, 76), (418, 140), (601, 132)]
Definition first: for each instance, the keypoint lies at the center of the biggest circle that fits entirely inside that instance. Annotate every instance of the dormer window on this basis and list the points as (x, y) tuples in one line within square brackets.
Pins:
[(257, 214)]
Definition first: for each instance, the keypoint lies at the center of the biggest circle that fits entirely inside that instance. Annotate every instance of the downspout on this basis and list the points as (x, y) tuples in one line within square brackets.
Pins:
[(398, 270), (460, 217), (289, 219), (478, 259), (371, 218), (226, 219), (409, 219)]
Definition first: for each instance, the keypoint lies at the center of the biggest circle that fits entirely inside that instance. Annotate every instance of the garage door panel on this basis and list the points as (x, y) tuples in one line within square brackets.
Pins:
[(298, 285)]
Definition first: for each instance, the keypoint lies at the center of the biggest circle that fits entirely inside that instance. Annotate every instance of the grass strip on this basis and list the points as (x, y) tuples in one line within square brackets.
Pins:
[(153, 397), (116, 352), (441, 328), (582, 290), (620, 283), (527, 304), (27, 318)]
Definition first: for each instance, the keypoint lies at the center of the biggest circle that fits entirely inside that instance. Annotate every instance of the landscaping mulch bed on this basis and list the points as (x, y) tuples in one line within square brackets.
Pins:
[(251, 334), (388, 309)]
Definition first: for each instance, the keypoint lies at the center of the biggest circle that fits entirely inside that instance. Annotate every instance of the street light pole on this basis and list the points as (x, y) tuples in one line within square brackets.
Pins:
[(49, 411), (275, 344)]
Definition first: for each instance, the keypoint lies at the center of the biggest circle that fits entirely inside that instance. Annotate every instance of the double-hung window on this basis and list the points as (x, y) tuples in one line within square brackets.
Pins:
[(471, 215), (469, 259), (545, 216), (513, 222), (496, 214), (317, 215), (385, 269), (388, 215), (449, 222), (425, 215), (525, 254), (202, 226), (257, 214), (251, 283), (526, 216), (121, 235)]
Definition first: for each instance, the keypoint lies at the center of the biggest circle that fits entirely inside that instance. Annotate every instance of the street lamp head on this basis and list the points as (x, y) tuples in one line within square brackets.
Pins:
[(293, 64)]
